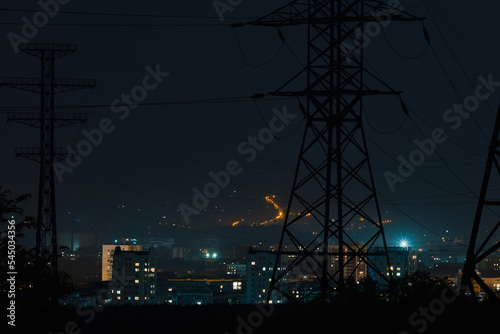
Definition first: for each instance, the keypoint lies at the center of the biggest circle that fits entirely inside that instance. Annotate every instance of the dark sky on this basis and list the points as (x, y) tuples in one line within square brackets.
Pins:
[(148, 165)]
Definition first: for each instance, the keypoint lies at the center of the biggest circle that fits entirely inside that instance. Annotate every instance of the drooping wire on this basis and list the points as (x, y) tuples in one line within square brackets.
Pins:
[(283, 39), (243, 52), (399, 53), (399, 127), (304, 113), (406, 111), (264, 119)]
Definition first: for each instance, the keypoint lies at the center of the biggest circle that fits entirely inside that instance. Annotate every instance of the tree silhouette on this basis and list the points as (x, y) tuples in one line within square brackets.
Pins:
[(31, 286)]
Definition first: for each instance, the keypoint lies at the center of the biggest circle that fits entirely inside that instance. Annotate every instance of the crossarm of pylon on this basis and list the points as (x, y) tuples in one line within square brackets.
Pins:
[(487, 252), (27, 84), (34, 153), (65, 85), (30, 119), (293, 13), (36, 49), (64, 119), (33, 119), (302, 12)]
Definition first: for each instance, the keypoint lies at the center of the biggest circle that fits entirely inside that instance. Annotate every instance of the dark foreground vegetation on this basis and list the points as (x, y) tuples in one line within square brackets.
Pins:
[(458, 317)]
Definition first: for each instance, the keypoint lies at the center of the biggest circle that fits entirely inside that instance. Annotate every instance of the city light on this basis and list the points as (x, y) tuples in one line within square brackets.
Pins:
[(403, 243)]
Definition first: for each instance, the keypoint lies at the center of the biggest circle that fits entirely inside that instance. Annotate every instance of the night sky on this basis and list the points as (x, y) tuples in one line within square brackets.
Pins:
[(133, 182)]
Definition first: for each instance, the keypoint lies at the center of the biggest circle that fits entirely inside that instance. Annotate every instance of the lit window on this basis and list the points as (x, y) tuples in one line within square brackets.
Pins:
[(137, 264), (136, 281), (118, 292), (136, 269), (152, 270), (118, 298), (136, 297), (253, 263)]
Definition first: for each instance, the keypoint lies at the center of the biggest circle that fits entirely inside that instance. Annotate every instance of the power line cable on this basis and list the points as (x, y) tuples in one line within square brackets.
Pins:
[(240, 47), (441, 65), (453, 54), (417, 222), (430, 126), (149, 104), (459, 37), (380, 132), (124, 25), (129, 14), (399, 53), (417, 175)]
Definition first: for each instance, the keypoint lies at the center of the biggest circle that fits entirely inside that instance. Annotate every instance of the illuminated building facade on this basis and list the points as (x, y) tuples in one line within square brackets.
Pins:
[(356, 268), (259, 269), (107, 258), (136, 279), (402, 261)]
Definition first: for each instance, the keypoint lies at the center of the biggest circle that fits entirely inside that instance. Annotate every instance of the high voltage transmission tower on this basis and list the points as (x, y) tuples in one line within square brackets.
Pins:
[(333, 187), (485, 221), (46, 251)]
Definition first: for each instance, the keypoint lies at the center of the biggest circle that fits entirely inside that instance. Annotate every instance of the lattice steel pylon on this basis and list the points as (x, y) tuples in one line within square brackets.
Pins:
[(333, 187), (46, 251), (487, 222)]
